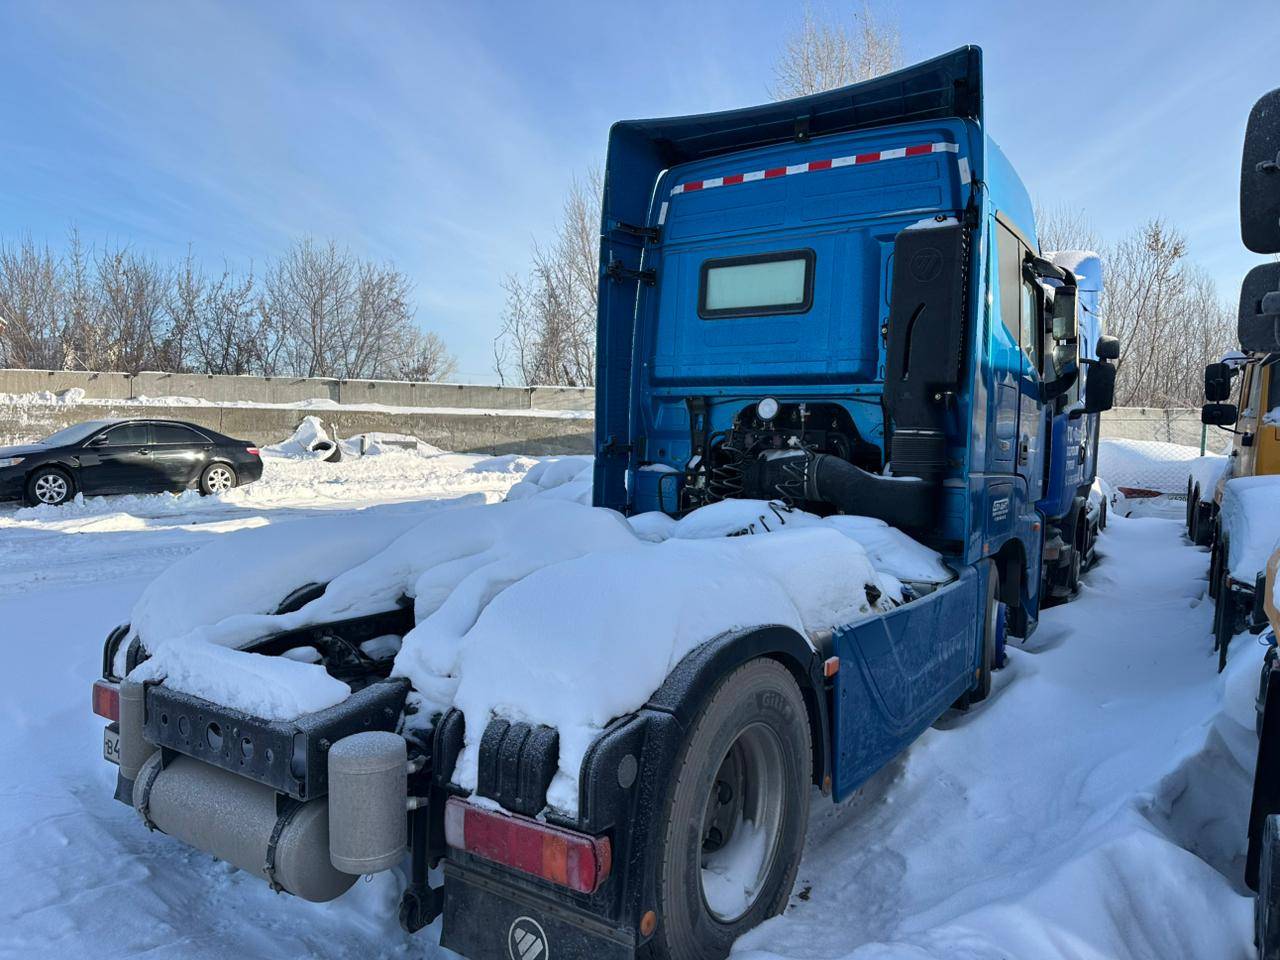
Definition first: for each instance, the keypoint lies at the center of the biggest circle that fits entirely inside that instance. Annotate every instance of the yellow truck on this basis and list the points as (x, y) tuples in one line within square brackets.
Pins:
[(1255, 423)]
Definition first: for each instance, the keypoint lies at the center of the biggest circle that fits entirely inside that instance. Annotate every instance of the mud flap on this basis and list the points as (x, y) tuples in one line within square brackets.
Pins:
[(489, 919)]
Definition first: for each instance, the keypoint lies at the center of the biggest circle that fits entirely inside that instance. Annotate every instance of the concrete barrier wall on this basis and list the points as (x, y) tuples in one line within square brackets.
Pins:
[(107, 386), (226, 389), (223, 389), (460, 432)]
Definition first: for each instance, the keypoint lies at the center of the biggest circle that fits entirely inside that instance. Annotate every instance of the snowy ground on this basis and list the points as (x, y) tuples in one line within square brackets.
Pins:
[(1093, 808)]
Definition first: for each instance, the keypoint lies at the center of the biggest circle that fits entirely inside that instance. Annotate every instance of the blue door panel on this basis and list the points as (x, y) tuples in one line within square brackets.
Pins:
[(899, 673)]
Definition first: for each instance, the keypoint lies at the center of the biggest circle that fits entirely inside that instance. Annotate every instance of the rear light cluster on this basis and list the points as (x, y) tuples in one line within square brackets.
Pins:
[(252, 451), (106, 700), (563, 857), (1139, 493)]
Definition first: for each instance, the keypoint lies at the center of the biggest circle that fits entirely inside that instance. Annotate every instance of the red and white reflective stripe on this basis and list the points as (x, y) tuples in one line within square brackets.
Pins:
[(856, 160)]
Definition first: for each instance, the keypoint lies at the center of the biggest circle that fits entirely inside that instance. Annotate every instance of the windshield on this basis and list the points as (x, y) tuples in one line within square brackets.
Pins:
[(74, 434)]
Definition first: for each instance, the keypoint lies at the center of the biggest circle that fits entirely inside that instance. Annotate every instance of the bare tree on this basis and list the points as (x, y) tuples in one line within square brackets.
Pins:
[(1168, 316), (331, 314), (824, 54), (1062, 227), (31, 323), (548, 332), (321, 312)]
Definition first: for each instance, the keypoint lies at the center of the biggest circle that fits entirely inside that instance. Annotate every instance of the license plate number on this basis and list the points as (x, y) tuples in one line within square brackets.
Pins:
[(111, 745)]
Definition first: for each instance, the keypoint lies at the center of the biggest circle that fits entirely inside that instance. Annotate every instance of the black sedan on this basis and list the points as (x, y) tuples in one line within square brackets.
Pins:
[(126, 456)]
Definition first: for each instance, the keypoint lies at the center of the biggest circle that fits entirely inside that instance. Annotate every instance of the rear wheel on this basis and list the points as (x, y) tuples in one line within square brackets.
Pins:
[(1266, 908), (217, 478), (49, 486), (992, 615), (736, 815)]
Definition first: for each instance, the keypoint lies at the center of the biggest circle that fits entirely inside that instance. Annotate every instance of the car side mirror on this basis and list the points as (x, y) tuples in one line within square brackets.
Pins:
[(1219, 414), (101, 440), (1217, 382), (1108, 349), (1259, 319), (1100, 387), (1260, 177)]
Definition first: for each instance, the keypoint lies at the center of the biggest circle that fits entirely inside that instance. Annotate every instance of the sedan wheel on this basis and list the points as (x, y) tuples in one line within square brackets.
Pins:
[(219, 478), (49, 487)]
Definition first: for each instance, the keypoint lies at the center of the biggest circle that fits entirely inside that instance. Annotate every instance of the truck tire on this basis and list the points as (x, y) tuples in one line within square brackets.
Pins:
[(991, 610), (745, 767), (1266, 908)]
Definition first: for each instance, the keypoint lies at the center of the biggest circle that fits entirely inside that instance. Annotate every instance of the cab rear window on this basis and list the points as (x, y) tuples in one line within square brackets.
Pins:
[(755, 286)]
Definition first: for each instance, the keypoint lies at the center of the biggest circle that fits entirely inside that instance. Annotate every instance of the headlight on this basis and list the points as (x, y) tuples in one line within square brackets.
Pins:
[(10, 461)]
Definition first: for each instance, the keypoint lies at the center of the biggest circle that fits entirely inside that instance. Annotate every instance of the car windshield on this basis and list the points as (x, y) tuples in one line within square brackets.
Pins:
[(73, 434)]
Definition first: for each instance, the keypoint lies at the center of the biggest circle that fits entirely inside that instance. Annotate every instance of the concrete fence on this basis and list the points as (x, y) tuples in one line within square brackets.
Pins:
[(466, 418), (226, 389)]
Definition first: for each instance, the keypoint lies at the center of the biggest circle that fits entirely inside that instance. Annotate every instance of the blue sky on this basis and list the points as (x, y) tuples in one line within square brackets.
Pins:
[(442, 136)]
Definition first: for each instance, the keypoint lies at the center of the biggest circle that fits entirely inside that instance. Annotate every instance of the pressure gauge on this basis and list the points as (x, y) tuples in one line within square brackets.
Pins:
[(767, 408)]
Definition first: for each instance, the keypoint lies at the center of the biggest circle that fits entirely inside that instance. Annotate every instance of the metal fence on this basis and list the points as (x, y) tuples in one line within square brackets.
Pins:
[(1180, 425)]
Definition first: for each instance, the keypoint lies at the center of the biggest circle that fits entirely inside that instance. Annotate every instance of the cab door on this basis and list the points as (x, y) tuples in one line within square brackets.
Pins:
[(1021, 308)]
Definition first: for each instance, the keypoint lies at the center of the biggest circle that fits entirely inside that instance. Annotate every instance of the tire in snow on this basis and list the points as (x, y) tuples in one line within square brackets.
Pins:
[(992, 611), (50, 486), (735, 818), (218, 478), (1266, 908)]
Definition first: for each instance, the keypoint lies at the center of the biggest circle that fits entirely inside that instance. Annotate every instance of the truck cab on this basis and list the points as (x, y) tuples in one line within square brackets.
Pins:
[(792, 293), (1073, 519)]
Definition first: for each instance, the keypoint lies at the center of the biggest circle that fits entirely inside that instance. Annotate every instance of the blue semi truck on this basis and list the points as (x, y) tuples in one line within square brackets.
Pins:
[(836, 302), (1073, 519)]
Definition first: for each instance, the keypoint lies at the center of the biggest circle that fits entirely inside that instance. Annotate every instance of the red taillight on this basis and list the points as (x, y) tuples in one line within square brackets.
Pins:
[(252, 451), (569, 859), (1139, 493), (106, 700)]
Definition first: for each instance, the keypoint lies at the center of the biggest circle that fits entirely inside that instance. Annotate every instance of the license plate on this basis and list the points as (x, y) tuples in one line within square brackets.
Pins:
[(111, 744)]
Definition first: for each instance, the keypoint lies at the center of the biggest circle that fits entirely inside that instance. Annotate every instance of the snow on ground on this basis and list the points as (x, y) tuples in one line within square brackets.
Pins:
[(1093, 808)]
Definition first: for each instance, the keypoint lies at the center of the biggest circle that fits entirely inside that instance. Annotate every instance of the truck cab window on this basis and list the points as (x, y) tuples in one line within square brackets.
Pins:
[(1032, 338), (754, 286)]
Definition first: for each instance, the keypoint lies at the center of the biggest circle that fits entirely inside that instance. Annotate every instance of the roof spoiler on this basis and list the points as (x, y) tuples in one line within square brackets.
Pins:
[(946, 86)]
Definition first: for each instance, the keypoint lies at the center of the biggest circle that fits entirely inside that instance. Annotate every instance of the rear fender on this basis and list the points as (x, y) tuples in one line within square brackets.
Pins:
[(627, 771)]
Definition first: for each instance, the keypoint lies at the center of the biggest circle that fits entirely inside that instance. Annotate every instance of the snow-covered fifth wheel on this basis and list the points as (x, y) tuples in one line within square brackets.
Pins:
[(825, 322)]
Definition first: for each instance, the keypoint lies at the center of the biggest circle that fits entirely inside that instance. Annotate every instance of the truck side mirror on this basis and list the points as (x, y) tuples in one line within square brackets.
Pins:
[(1065, 322), (1260, 177), (1259, 319), (1108, 349), (1217, 382), (1100, 387), (1219, 414)]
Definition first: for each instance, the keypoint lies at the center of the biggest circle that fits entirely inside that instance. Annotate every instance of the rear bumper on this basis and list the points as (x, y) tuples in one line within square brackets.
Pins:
[(249, 470)]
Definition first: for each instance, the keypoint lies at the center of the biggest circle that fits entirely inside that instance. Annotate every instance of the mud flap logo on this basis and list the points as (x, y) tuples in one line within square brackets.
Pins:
[(527, 941)]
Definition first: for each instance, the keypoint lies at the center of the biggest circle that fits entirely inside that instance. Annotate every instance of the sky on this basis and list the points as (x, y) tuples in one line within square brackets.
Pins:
[(443, 137)]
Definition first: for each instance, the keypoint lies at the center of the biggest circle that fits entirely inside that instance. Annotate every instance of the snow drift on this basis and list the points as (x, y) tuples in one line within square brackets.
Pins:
[(550, 589)]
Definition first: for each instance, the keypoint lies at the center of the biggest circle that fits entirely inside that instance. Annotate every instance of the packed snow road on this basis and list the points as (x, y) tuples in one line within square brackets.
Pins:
[(1094, 807)]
